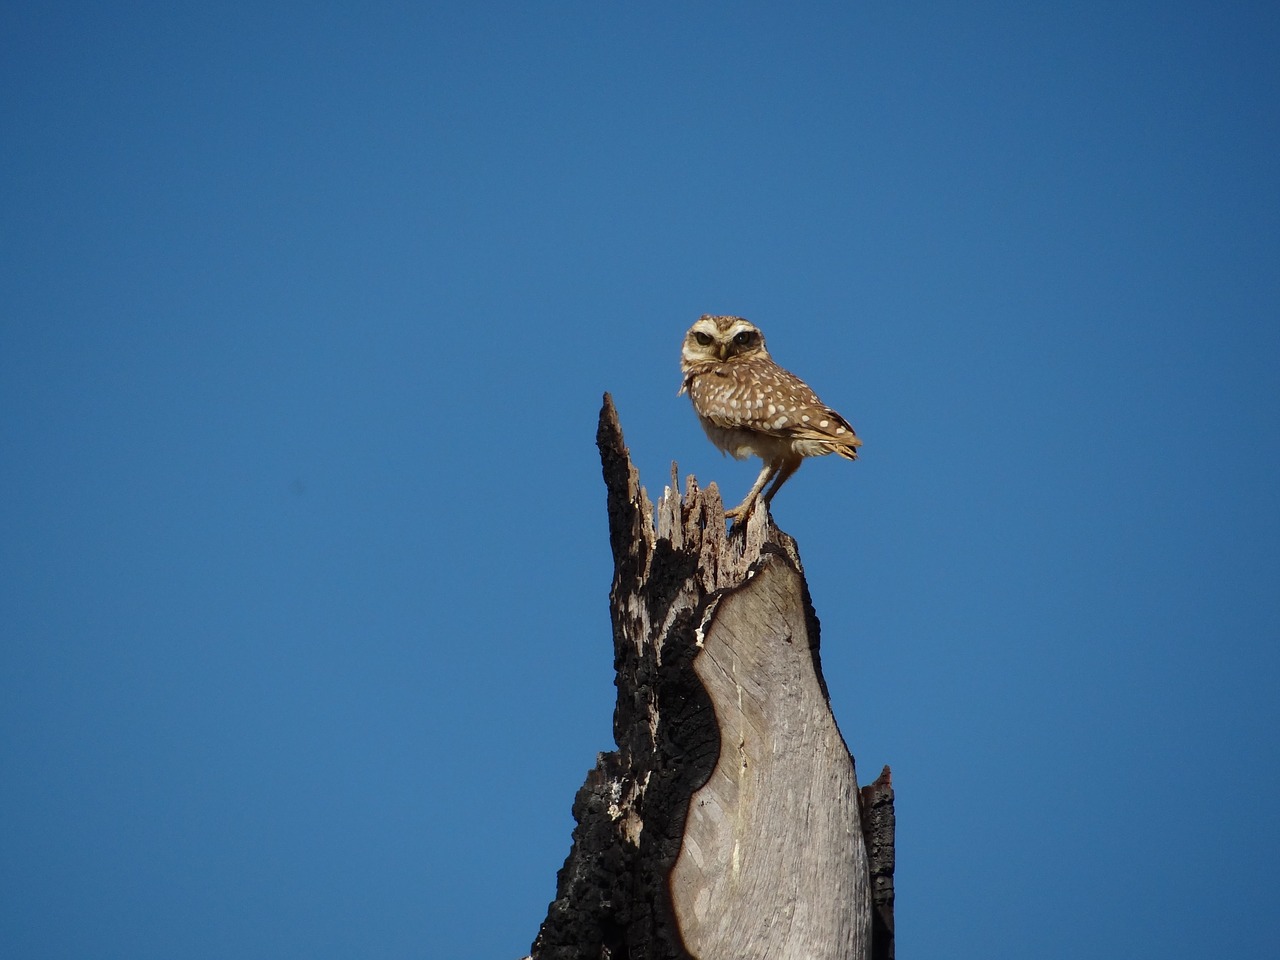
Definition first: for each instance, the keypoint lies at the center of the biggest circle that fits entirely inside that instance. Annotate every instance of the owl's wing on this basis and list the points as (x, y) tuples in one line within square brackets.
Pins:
[(767, 399), (821, 423)]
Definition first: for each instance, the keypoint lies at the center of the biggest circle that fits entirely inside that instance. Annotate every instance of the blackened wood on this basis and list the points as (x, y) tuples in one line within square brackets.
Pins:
[(879, 827)]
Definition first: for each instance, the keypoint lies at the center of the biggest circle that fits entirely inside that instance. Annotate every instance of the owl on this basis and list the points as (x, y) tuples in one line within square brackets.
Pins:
[(748, 405)]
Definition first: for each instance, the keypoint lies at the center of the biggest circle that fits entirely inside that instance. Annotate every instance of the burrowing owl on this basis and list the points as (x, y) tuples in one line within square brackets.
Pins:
[(751, 406)]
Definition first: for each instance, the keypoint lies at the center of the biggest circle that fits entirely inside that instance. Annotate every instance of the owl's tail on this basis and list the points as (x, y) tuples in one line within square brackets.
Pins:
[(848, 449)]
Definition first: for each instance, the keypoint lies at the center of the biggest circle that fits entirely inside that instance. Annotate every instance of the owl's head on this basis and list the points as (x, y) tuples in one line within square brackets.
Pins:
[(720, 339)]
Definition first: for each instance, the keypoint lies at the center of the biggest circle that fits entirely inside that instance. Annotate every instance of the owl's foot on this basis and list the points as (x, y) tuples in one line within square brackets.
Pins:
[(742, 512)]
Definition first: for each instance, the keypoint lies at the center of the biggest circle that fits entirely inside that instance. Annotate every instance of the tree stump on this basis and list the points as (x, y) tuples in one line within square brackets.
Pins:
[(728, 824)]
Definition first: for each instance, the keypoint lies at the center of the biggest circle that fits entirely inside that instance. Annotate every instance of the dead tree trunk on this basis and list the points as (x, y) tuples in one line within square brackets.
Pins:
[(728, 823)]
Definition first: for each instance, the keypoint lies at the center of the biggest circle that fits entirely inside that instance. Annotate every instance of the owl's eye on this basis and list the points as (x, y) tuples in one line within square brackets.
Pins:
[(743, 338), (702, 338)]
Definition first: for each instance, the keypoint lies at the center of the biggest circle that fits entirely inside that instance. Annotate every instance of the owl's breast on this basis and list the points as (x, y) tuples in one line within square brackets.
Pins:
[(741, 443)]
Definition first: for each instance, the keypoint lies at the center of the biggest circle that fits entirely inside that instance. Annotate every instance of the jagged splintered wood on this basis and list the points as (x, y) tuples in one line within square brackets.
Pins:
[(728, 824)]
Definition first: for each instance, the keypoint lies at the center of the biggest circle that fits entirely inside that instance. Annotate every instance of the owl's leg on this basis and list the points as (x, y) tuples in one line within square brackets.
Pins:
[(744, 508), (785, 469)]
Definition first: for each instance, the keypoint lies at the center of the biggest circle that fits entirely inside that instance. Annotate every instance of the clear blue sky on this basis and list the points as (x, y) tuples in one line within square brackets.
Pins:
[(305, 317)]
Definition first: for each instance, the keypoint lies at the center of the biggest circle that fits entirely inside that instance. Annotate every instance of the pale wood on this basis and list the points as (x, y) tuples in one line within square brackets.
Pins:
[(773, 862)]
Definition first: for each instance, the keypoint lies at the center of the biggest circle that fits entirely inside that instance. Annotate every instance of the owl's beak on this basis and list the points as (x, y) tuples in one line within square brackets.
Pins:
[(723, 350)]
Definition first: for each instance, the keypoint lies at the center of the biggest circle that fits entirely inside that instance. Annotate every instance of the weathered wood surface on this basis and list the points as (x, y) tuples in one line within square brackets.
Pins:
[(728, 823), (773, 862)]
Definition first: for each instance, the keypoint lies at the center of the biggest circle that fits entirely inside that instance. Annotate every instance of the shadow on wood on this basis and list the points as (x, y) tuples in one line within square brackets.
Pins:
[(728, 824)]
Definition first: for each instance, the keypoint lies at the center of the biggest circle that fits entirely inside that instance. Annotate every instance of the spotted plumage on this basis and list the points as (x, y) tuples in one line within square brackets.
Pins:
[(750, 406)]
